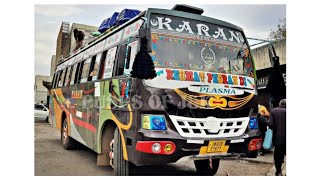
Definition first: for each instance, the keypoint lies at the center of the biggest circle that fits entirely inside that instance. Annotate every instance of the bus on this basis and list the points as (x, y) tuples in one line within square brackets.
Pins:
[(200, 101)]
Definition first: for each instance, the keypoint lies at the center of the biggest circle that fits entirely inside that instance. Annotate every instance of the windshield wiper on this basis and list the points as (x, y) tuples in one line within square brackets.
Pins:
[(239, 51), (244, 88)]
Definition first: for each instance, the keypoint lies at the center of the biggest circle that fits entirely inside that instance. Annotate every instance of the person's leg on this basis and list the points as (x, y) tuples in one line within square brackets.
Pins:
[(277, 159), (262, 150)]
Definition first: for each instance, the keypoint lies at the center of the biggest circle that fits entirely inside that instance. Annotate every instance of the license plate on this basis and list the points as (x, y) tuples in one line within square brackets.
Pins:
[(216, 146)]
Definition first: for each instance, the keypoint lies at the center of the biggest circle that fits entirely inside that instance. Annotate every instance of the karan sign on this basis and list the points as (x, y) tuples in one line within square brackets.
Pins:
[(205, 31)]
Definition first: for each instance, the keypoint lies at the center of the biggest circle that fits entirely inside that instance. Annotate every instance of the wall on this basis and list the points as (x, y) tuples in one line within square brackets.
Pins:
[(63, 39), (40, 92), (53, 65), (261, 55)]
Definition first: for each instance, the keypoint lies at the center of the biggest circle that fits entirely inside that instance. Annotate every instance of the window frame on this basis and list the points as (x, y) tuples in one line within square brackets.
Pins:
[(91, 68), (114, 62), (79, 72), (70, 68), (84, 80), (102, 64), (62, 78), (74, 73)]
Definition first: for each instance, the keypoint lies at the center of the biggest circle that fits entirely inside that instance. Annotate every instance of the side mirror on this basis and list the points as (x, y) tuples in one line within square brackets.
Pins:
[(44, 109), (145, 33)]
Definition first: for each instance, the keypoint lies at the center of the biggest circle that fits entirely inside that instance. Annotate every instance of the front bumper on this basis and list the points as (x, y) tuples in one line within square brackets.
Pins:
[(237, 148)]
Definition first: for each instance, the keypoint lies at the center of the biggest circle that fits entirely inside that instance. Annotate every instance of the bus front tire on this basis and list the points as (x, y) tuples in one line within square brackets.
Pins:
[(121, 166), (67, 141), (204, 168)]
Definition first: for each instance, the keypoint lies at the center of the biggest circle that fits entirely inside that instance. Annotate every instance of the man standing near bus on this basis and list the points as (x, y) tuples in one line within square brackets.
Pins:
[(278, 125)]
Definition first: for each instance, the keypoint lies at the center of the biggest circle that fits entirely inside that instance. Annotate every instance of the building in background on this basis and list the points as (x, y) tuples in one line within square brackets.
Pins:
[(40, 91), (53, 65), (86, 29), (264, 69), (63, 41)]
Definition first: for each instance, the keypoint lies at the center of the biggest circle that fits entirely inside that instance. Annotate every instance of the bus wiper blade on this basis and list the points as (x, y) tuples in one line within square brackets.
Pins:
[(199, 85), (244, 88)]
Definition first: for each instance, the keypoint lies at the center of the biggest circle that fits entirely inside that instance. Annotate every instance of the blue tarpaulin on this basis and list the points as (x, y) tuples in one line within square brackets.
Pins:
[(103, 26), (108, 23), (125, 15), (113, 19)]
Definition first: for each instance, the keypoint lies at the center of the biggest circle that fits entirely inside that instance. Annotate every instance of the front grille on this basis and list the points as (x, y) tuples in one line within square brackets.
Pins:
[(209, 127)]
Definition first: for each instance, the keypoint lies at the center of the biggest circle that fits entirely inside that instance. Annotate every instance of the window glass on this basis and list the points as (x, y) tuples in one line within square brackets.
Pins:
[(56, 79), (102, 62), (94, 72), (61, 78), (73, 74), (38, 107), (109, 62), (134, 47), (68, 76), (85, 70), (53, 80)]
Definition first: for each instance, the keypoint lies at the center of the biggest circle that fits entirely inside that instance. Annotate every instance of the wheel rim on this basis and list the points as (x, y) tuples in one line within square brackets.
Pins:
[(65, 133), (111, 153)]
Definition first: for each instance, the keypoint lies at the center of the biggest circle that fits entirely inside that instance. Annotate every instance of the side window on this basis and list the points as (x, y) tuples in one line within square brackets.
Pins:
[(102, 65), (108, 67), (62, 78), (78, 72), (91, 68), (120, 61), (85, 70), (130, 55), (53, 80), (73, 74), (68, 76), (38, 107), (94, 72), (57, 79)]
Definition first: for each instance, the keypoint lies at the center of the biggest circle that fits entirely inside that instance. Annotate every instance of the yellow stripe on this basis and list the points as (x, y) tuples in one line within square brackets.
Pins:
[(124, 127)]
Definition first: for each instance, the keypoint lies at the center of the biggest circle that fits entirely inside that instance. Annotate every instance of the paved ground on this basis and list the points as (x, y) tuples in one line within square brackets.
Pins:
[(52, 159)]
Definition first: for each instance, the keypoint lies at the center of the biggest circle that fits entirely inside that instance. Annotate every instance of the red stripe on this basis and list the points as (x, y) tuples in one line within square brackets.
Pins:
[(86, 125), (87, 91)]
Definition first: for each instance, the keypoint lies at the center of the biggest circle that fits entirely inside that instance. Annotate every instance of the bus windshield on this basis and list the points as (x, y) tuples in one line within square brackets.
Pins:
[(180, 43)]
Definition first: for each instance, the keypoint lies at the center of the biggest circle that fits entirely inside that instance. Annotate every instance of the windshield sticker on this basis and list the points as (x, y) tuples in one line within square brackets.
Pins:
[(191, 54), (204, 77), (208, 56)]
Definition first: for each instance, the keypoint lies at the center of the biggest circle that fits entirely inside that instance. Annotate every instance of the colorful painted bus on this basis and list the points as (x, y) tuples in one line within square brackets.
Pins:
[(201, 102)]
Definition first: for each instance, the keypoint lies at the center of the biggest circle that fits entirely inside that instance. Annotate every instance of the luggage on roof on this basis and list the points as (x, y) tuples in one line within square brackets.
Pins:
[(125, 15), (113, 19), (103, 26)]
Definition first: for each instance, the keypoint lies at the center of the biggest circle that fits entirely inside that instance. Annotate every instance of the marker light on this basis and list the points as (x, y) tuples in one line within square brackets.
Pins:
[(253, 123), (154, 122), (255, 144), (156, 147), (168, 148)]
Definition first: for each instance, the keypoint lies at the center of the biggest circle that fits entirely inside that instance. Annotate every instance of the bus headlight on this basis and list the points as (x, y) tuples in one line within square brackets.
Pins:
[(153, 122)]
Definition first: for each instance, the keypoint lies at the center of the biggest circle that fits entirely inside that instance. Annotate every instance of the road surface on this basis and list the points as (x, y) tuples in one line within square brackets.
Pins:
[(52, 160)]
